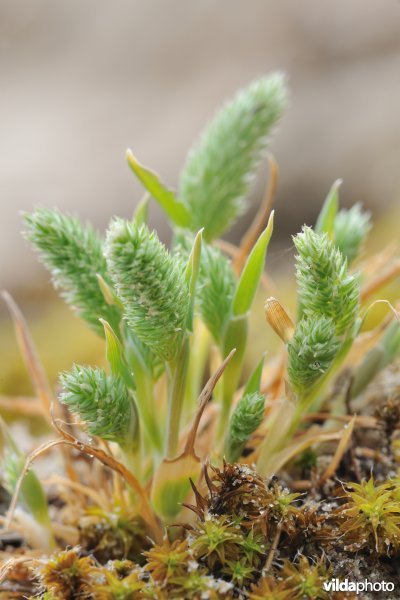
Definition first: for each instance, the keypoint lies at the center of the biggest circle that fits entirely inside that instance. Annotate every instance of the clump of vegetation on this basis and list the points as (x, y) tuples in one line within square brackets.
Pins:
[(185, 478), (371, 518)]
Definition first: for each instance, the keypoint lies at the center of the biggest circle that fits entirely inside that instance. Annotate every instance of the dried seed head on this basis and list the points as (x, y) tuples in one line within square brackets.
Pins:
[(279, 320)]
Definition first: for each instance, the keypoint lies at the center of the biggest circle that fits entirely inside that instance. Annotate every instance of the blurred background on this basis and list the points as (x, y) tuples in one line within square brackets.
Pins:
[(82, 81)]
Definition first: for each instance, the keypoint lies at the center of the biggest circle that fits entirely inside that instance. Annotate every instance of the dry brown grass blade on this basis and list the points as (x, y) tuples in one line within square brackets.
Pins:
[(340, 450), (275, 369), (258, 224), (9, 565), (205, 433), (204, 399), (80, 488), (368, 339), (278, 319), (109, 461), (278, 459), (26, 406), (394, 311), (384, 278), (170, 484), (30, 355), (145, 509), (378, 261), (364, 421)]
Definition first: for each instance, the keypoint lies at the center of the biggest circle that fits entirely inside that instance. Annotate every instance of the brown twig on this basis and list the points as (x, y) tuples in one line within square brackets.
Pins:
[(204, 398), (273, 548), (340, 450)]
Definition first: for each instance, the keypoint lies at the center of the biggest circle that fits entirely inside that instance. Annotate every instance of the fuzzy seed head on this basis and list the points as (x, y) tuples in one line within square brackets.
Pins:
[(351, 227), (151, 285), (73, 254), (217, 286), (311, 352), (220, 167), (102, 401), (325, 286), (246, 417)]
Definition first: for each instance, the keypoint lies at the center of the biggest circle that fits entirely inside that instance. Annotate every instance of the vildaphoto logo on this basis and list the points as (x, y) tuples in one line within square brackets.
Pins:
[(345, 585)]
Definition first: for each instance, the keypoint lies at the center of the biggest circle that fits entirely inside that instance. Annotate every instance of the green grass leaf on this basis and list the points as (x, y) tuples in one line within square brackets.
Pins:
[(192, 273), (253, 384), (326, 218), (252, 271), (116, 355), (175, 210)]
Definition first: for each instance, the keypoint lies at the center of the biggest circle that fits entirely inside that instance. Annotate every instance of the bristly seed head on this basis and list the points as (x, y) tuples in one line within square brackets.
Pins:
[(102, 401), (151, 285), (326, 288)]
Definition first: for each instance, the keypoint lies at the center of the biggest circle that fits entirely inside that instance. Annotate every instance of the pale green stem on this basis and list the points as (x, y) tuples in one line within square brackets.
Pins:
[(132, 448), (315, 398), (177, 372), (233, 449), (146, 403), (199, 352), (276, 438), (235, 337)]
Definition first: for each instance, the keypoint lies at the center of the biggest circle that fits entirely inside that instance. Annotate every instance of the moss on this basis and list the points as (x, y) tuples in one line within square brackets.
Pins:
[(113, 536)]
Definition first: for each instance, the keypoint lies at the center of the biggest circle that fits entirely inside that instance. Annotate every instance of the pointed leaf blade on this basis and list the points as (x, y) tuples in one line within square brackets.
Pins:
[(115, 354), (326, 218), (252, 271), (175, 210), (254, 383)]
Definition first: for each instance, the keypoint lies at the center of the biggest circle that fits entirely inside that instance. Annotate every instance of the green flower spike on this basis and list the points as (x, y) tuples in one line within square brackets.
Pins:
[(151, 285), (220, 167), (102, 401), (325, 286), (74, 256)]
